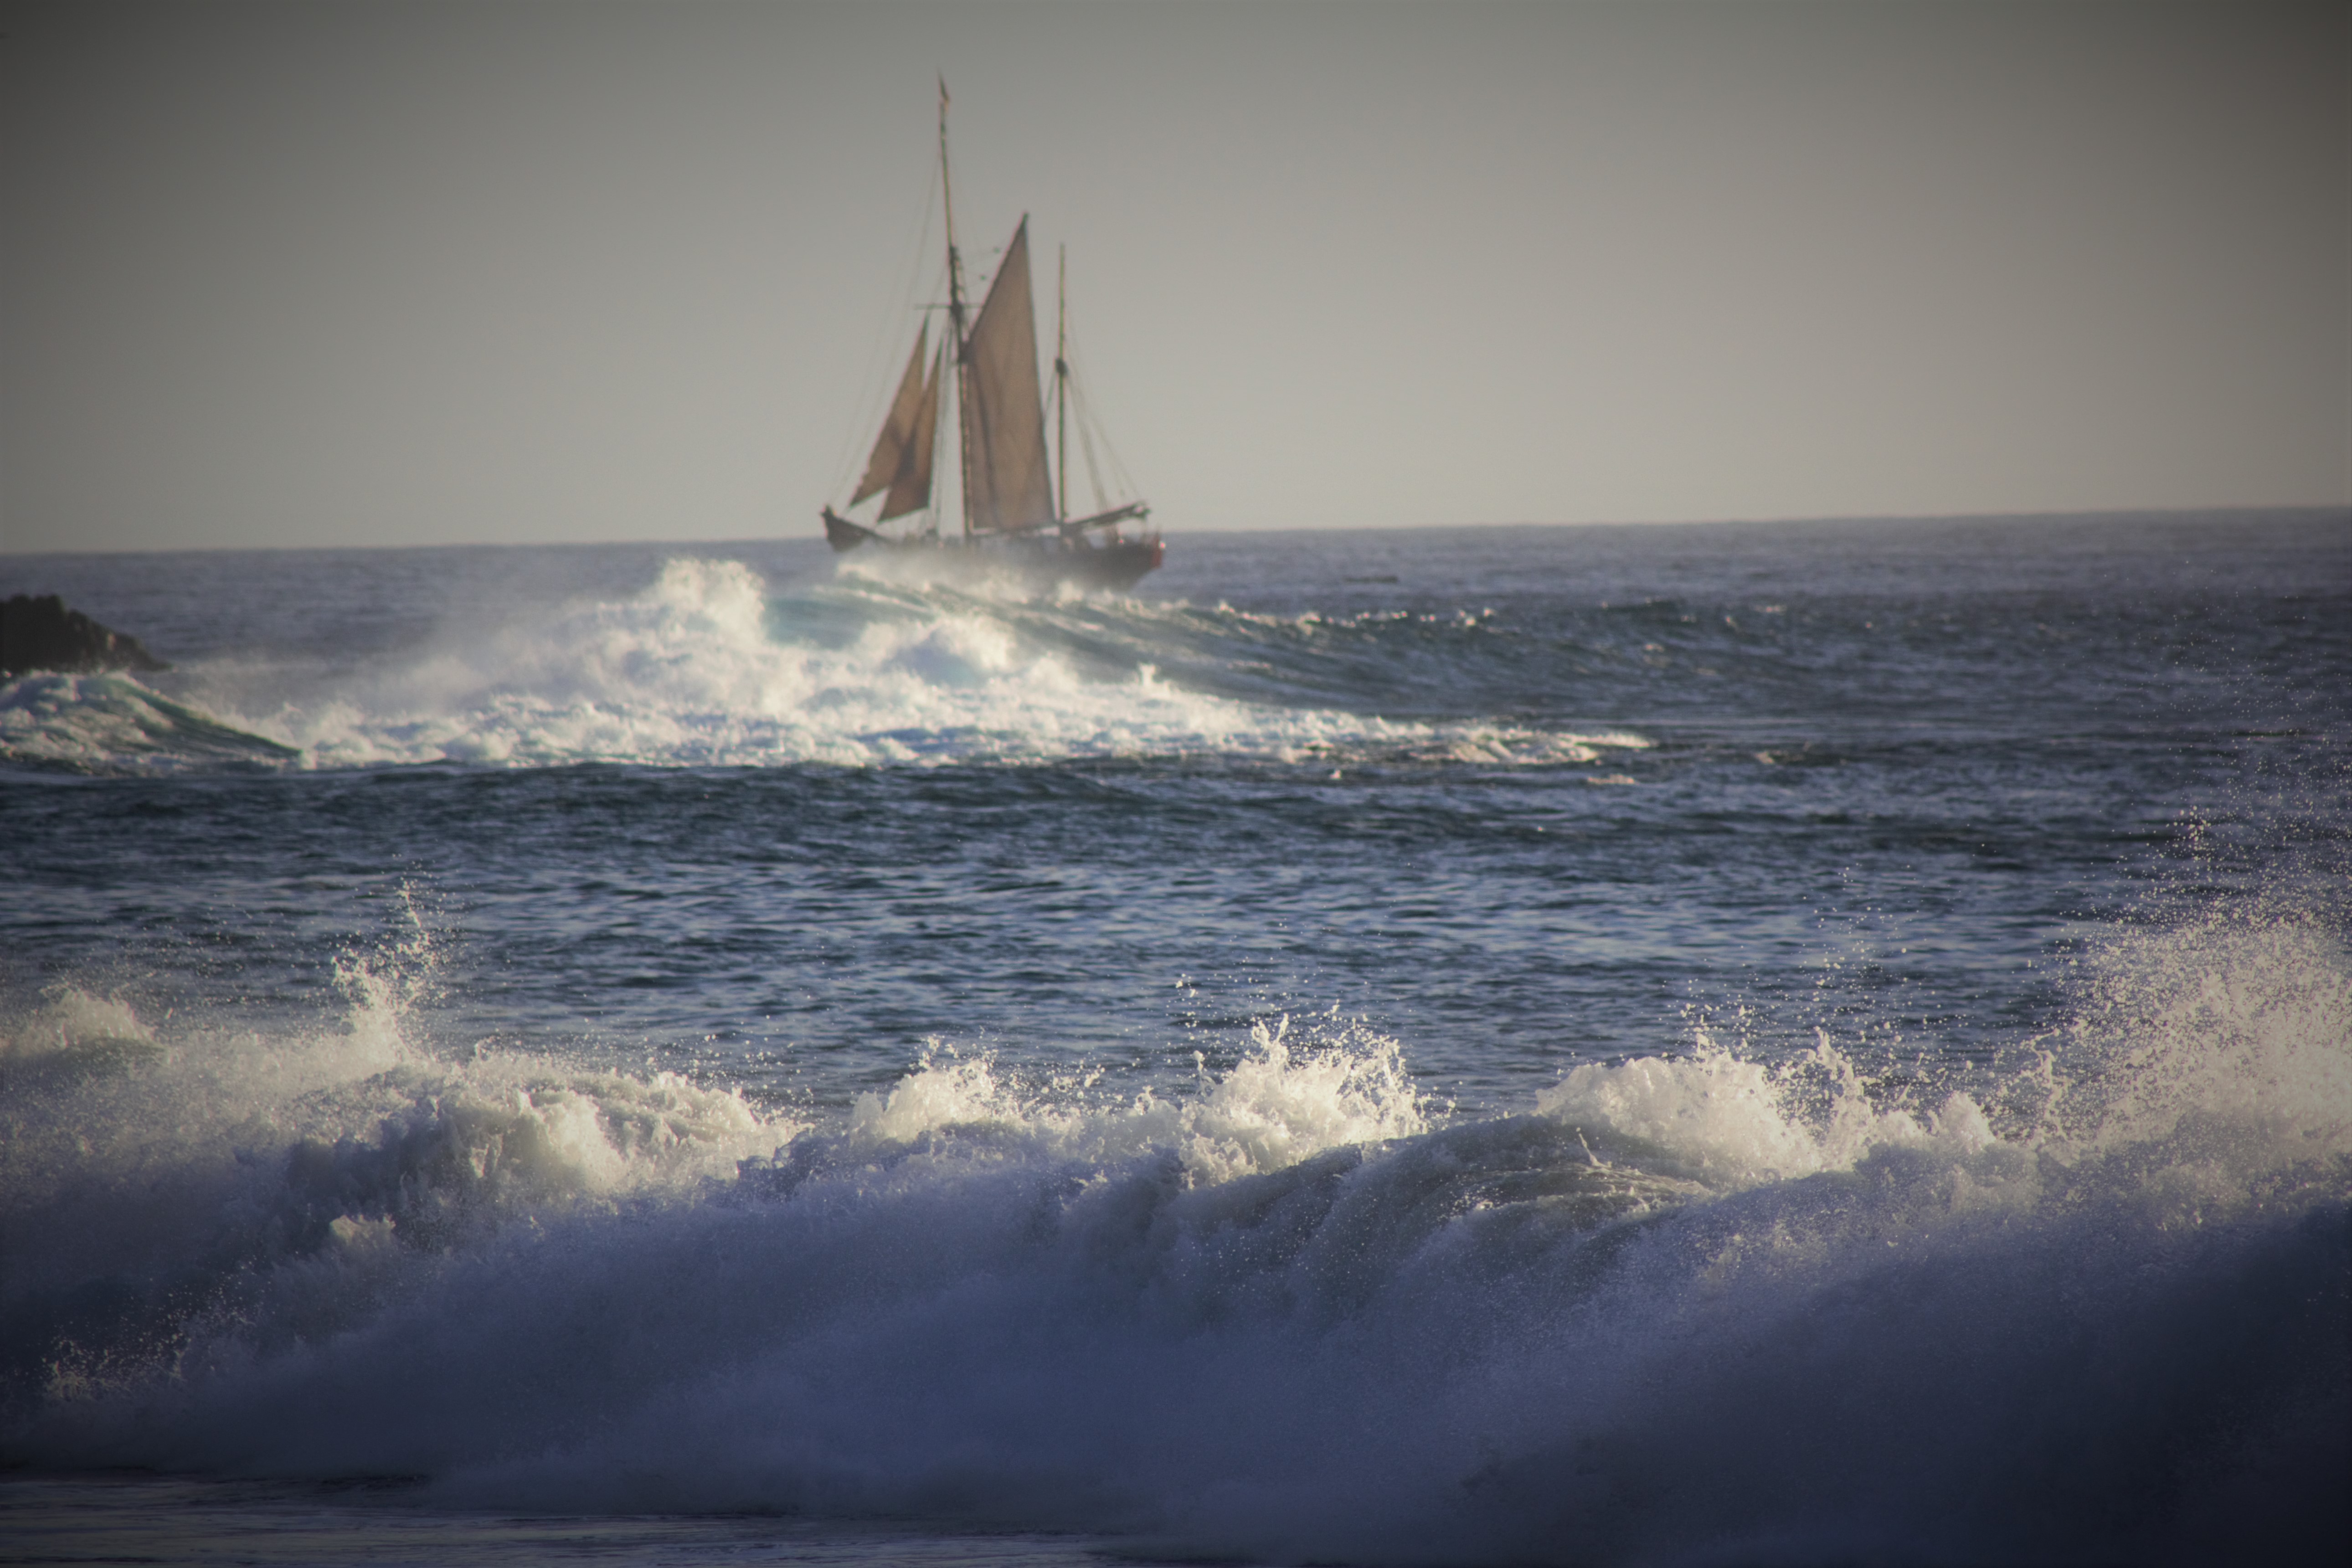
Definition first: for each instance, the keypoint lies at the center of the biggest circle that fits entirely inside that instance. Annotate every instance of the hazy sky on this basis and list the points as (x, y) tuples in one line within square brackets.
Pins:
[(370, 273)]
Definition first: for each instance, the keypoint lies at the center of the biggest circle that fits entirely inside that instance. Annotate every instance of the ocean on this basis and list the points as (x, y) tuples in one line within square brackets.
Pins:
[(1769, 1042)]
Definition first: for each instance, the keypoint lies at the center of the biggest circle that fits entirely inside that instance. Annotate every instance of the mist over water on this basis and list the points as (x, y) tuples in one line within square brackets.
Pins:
[(1769, 1044)]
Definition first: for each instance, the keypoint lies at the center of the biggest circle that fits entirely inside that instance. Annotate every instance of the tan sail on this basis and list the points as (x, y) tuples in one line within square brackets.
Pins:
[(1006, 486), (902, 452), (911, 491)]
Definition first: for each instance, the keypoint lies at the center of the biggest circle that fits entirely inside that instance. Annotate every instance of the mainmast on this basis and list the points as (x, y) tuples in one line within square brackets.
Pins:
[(955, 309), (1062, 383)]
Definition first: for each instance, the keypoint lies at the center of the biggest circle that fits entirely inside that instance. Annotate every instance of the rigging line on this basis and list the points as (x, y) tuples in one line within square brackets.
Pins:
[(1080, 381), (1122, 483), (889, 336), (1073, 391), (1094, 470), (1122, 480), (1086, 424), (1087, 427)]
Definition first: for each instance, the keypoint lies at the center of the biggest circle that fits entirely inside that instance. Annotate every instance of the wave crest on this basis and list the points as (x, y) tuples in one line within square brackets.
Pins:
[(1703, 1305), (708, 667)]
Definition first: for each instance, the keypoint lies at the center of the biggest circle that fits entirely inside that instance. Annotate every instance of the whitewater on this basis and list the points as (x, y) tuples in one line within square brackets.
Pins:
[(1769, 1044), (704, 668)]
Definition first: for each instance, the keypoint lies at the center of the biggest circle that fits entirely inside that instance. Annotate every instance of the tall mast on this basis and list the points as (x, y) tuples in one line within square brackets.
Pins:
[(955, 309), (1062, 382)]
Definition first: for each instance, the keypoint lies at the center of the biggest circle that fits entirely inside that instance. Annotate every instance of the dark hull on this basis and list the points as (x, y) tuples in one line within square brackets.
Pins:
[(1048, 562)]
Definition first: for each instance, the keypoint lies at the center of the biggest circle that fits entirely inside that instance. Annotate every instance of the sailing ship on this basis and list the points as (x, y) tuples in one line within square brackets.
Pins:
[(1015, 509)]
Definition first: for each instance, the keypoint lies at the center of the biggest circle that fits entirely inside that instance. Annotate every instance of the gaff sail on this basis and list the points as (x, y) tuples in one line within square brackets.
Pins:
[(1007, 487)]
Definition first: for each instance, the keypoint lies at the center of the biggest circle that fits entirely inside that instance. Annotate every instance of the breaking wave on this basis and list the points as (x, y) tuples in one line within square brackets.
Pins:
[(2095, 1304), (111, 724), (707, 667)]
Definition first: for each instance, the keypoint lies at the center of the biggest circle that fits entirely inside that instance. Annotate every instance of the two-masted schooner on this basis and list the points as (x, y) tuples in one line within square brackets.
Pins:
[(1016, 516)]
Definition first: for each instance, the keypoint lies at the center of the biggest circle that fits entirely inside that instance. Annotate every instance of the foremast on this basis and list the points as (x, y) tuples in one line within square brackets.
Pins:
[(1062, 382), (955, 315)]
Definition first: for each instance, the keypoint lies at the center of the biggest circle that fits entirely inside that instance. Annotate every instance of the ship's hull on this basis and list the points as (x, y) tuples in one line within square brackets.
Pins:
[(1046, 562)]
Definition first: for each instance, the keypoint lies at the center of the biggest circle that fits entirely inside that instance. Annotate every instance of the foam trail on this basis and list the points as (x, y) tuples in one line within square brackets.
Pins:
[(1694, 1309)]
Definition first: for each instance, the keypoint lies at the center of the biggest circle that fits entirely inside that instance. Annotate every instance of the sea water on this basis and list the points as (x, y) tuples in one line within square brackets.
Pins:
[(1791, 1043)]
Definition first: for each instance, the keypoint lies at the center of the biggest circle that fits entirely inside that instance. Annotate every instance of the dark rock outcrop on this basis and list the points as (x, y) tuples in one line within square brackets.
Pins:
[(42, 634)]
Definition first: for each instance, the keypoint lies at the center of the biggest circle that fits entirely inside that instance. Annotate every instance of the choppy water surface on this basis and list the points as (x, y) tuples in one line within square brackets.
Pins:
[(1716, 1044)]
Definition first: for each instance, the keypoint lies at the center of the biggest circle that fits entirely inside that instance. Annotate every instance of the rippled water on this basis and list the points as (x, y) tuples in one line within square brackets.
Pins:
[(1762, 1042)]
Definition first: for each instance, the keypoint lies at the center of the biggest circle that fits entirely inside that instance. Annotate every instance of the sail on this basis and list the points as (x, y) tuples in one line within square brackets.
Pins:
[(1005, 481), (900, 461), (911, 490)]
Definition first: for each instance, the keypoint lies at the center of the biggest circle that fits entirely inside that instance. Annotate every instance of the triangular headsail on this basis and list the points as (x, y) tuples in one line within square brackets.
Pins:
[(911, 491), (901, 462), (1005, 481)]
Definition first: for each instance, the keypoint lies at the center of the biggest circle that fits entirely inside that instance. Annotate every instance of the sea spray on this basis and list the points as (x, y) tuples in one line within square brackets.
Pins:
[(161, 1189), (707, 667), (1661, 1232), (1281, 1102), (1687, 1302)]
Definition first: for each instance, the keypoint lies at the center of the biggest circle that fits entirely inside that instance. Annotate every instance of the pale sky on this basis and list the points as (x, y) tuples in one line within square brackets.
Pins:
[(370, 273)]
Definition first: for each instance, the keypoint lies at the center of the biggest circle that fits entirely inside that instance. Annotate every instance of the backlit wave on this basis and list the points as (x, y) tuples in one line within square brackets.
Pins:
[(2089, 1306), (706, 668)]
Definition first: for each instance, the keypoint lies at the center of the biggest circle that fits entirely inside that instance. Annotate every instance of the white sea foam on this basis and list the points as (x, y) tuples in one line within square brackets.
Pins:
[(1283, 1102), (1689, 1308), (1728, 1122), (73, 1027), (112, 723), (703, 669), (217, 1158)]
